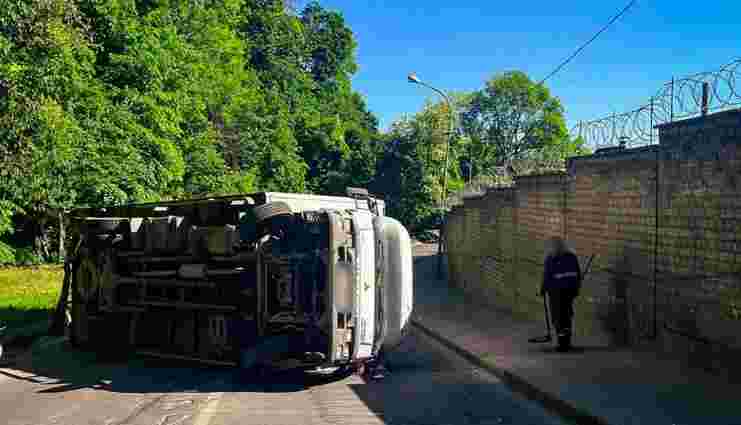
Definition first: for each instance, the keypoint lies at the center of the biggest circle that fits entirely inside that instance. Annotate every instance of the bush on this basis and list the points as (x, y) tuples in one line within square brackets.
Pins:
[(433, 220), (427, 236), (7, 254), (27, 257)]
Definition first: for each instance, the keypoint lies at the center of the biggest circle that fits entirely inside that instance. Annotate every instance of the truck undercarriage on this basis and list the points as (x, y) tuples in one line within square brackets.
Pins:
[(272, 278)]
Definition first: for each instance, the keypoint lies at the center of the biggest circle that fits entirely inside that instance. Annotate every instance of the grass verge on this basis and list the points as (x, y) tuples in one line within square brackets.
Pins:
[(27, 297)]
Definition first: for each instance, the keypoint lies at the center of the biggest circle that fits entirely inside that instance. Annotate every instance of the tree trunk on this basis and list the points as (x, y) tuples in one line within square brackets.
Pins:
[(62, 237), (60, 313), (42, 240), (58, 323)]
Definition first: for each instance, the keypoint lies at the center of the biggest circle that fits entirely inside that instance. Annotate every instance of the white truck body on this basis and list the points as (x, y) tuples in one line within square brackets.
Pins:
[(219, 279)]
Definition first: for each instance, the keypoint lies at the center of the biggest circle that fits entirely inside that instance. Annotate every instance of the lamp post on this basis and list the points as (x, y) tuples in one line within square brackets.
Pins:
[(412, 78)]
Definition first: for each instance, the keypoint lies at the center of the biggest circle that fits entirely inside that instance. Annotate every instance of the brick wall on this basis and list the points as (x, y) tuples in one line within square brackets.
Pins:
[(699, 251), (607, 206)]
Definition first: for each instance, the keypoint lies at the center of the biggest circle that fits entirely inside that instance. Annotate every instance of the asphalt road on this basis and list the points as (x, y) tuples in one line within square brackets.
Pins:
[(426, 384)]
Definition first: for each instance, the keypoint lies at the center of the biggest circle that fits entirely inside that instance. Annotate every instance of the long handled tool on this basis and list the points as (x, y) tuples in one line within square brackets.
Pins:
[(548, 337), (588, 267)]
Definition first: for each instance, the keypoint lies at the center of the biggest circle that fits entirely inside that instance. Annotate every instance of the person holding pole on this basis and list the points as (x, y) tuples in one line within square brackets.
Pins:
[(562, 278)]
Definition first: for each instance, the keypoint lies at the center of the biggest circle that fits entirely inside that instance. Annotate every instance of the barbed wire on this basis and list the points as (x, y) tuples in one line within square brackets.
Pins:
[(634, 128), (678, 99)]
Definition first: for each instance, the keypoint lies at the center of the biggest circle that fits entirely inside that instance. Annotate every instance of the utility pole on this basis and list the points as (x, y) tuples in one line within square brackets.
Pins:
[(412, 78)]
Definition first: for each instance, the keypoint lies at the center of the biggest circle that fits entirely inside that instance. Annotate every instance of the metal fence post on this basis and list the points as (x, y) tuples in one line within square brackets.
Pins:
[(705, 92), (440, 242), (671, 100), (655, 332)]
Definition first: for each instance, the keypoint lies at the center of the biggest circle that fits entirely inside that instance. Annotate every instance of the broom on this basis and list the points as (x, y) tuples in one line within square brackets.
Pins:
[(548, 337)]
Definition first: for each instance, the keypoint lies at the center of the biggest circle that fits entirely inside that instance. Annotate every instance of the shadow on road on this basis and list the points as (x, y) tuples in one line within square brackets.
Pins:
[(58, 367), (428, 384), (575, 349)]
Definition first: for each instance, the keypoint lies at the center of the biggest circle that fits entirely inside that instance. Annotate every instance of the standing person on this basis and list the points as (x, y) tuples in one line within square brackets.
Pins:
[(562, 282)]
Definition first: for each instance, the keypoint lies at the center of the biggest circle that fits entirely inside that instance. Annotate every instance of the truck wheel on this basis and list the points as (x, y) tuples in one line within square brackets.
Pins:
[(268, 211)]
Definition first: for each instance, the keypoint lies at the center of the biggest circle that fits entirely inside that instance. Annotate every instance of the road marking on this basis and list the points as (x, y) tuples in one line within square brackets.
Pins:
[(206, 415)]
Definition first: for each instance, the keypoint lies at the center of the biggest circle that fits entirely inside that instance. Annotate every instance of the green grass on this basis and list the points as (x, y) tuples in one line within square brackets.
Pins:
[(28, 294)]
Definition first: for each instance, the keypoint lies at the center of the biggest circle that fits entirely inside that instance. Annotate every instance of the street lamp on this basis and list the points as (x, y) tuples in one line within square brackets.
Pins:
[(412, 78)]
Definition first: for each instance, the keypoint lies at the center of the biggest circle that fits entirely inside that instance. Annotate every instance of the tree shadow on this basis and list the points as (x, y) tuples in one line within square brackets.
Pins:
[(23, 324), (57, 367), (16, 317)]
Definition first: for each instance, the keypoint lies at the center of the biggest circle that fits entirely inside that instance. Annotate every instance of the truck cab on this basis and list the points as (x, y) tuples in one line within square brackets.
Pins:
[(295, 280)]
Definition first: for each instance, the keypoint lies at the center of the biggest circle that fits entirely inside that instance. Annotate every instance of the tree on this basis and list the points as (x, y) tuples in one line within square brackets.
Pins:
[(47, 61), (431, 129), (510, 119), (110, 101), (551, 157), (402, 176)]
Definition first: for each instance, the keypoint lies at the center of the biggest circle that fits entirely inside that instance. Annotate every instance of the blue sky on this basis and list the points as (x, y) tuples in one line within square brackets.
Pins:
[(459, 45)]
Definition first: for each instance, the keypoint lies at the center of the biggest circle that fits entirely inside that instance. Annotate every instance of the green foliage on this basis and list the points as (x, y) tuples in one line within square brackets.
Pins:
[(114, 101), (411, 171), (27, 257), (403, 178), (553, 156), (7, 253), (512, 121), (513, 118)]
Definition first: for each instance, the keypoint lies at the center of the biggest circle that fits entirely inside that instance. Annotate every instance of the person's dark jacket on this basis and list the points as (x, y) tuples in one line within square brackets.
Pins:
[(562, 272)]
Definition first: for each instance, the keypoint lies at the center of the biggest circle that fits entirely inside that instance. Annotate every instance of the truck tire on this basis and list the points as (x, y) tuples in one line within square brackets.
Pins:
[(268, 211)]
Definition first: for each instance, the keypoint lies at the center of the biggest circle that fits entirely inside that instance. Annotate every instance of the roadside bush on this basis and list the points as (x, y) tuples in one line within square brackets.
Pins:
[(7, 254), (27, 257), (431, 221), (426, 236)]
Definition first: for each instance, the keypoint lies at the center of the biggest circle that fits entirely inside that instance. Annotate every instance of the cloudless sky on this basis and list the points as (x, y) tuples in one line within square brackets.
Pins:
[(458, 45)]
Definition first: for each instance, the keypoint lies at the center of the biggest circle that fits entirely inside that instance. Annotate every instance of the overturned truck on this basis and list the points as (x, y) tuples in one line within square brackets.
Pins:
[(288, 280)]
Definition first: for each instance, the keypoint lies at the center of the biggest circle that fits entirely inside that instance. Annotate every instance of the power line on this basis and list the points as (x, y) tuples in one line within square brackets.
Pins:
[(583, 46)]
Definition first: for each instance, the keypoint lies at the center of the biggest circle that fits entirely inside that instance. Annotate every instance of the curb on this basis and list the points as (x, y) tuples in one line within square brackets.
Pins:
[(517, 384)]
